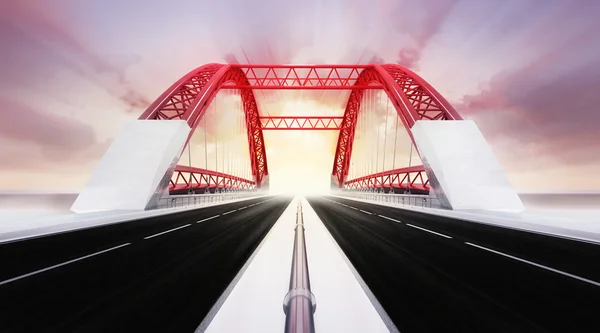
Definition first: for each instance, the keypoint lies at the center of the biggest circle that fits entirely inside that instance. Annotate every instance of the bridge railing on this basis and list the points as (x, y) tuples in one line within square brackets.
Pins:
[(414, 200), (172, 201)]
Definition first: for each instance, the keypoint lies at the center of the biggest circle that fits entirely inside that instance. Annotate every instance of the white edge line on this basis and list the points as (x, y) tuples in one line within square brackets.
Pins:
[(535, 264), (62, 264), (433, 232), (209, 218), (164, 232), (364, 211), (389, 218), (229, 212)]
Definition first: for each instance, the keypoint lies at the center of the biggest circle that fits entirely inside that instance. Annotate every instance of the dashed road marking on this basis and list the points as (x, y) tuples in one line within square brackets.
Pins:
[(389, 218), (229, 212), (433, 232), (208, 218), (535, 264), (62, 264), (170, 230)]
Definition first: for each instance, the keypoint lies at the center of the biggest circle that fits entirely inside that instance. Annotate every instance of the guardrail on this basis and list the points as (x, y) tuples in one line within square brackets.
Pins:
[(172, 201), (415, 200)]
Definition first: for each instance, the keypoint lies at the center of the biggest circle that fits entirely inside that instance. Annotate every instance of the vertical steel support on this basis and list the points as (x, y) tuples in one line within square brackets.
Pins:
[(190, 189), (299, 304)]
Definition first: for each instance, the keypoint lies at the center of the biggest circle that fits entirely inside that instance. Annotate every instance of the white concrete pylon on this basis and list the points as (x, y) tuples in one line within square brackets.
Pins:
[(462, 169), (135, 171)]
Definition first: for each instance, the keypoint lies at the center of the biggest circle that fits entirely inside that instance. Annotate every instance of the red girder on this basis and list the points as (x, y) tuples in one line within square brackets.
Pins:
[(404, 178), (206, 179), (300, 123), (412, 97)]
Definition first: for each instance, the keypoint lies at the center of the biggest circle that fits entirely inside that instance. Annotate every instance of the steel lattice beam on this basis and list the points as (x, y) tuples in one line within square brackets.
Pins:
[(404, 178), (302, 77), (206, 179), (301, 123)]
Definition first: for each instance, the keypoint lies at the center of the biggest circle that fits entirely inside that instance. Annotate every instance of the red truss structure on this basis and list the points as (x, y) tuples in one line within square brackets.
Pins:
[(301, 123), (305, 77), (189, 98), (412, 97), (196, 178), (404, 178)]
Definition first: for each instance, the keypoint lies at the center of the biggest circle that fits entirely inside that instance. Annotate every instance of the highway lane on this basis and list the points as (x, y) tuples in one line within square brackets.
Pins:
[(158, 274), (433, 274)]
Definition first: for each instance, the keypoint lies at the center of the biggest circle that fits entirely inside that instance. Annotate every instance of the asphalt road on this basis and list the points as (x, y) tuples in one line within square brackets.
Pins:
[(435, 274), (161, 274)]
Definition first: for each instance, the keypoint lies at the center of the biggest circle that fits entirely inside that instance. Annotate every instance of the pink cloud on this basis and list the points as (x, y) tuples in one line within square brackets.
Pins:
[(409, 57), (421, 22), (135, 101), (35, 139), (545, 109), (40, 44), (20, 122)]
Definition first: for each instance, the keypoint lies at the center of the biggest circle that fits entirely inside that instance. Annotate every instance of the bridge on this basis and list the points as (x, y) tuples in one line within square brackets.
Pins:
[(400, 236), (459, 165)]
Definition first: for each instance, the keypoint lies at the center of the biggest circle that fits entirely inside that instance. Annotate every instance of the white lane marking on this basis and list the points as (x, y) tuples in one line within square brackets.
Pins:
[(62, 264), (208, 218), (229, 212), (164, 232), (251, 205), (353, 207), (433, 232), (536, 264), (364, 211), (243, 208), (344, 205), (389, 218)]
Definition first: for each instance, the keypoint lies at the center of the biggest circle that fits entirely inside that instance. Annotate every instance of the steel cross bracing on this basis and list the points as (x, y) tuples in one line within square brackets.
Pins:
[(301, 123), (412, 98), (403, 178), (206, 179), (304, 77)]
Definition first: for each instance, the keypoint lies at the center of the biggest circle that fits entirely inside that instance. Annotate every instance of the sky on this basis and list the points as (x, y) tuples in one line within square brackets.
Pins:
[(74, 72)]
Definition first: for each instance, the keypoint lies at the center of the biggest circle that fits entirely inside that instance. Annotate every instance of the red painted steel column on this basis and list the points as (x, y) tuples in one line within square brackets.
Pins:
[(299, 304)]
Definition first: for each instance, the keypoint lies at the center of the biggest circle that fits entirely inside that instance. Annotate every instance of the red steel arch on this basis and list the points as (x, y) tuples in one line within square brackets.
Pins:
[(189, 97), (413, 98)]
